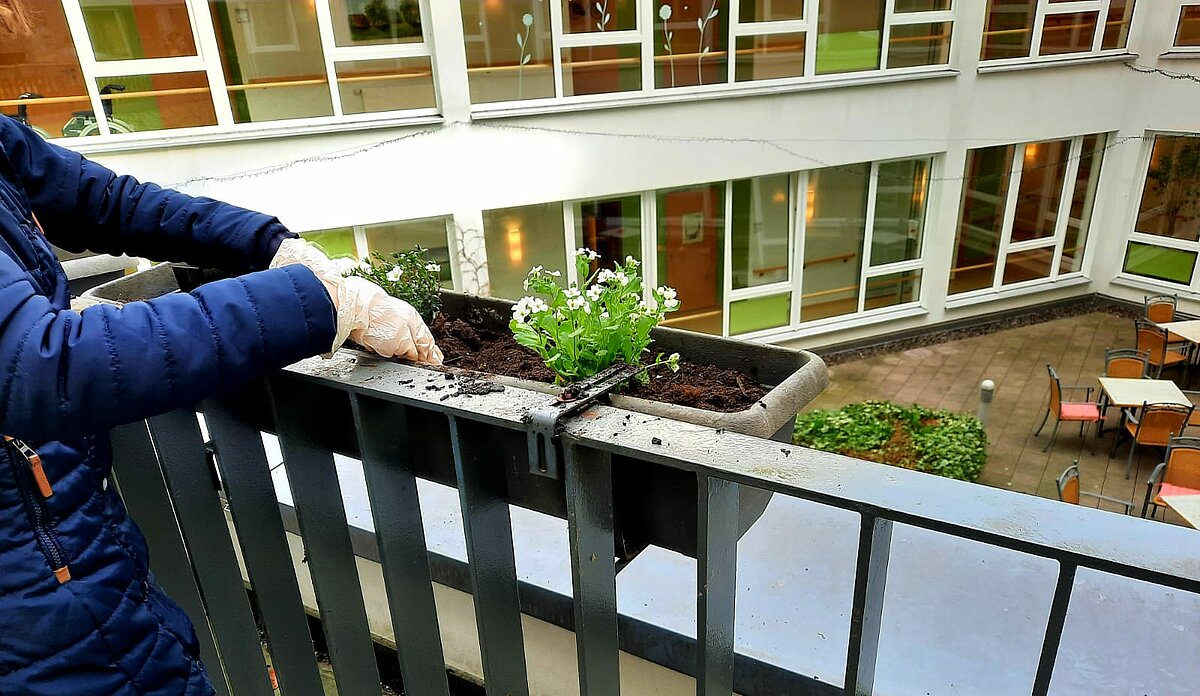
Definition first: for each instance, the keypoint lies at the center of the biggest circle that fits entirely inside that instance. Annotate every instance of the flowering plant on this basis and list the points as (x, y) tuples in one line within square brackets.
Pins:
[(407, 275), (583, 329)]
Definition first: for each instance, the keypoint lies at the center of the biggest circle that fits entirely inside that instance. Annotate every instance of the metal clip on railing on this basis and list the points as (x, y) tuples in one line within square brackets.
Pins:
[(544, 423)]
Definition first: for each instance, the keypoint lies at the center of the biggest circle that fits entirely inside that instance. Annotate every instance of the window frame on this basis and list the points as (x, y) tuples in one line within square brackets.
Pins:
[(1193, 285), (207, 60), (363, 251), (1047, 8), (1177, 47), (1056, 242), (646, 34)]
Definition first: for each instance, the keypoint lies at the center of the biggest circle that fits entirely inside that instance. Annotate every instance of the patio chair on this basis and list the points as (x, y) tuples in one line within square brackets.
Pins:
[(1152, 424), (1153, 340), (1125, 363), (1160, 309), (1069, 490), (1194, 397), (1179, 473), (1082, 411)]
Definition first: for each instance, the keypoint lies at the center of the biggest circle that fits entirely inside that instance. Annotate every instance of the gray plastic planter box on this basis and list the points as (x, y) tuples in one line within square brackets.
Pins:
[(652, 504)]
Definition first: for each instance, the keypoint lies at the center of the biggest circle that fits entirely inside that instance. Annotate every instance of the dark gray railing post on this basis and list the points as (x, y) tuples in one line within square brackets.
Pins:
[(254, 507), (387, 457), (145, 494), (1054, 627), (716, 584), (482, 492), (866, 614), (202, 518), (321, 516), (593, 568)]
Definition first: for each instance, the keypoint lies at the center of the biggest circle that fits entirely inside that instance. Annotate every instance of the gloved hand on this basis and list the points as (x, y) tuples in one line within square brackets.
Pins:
[(365, 313)]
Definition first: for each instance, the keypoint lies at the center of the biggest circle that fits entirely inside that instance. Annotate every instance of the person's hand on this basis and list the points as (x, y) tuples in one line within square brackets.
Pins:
[(365, 313)]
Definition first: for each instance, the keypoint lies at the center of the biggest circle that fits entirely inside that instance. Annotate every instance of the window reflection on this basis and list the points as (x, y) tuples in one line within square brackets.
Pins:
[(691, 229), (509, 56), (833, 240), (981, 218), (370, 22), (128, 29), (849, 36), (612, 227), (518, 239)]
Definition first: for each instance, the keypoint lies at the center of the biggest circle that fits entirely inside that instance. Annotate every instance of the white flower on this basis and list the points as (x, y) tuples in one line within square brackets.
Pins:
[(604, 314), (584, 251), (575, 303), (527, 306), (594, 293), (667, 293), (554, 274), (572, 293), (671, 303), (394, 274), (621, 278), (364, 266), (604, 276), (536, 270), (433, 268), (630, 261)]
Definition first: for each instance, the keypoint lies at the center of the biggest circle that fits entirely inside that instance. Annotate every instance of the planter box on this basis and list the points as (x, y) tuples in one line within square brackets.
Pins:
[(652, 504)]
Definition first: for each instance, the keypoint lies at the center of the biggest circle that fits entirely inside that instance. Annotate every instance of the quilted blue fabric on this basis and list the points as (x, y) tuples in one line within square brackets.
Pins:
[(66, 378)]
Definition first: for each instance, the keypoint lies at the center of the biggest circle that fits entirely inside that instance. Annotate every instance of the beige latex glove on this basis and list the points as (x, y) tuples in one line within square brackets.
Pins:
[(365, 313)]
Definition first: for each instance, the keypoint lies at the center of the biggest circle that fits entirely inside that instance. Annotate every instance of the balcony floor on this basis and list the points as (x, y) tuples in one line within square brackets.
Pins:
[(947, 375)]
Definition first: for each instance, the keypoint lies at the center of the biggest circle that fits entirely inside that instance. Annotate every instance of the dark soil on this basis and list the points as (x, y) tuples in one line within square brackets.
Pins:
[(471, 344)]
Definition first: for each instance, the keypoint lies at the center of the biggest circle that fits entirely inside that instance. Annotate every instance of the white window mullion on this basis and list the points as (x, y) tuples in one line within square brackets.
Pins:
[(361, 248), (783, 26), (868, 232), (556, 41), (328, 43), (596, 38), (148, 66), (889, 11), (87, 60), (648, 17), (780, 288), (734, 10), (811, 8), (381, 52), (727, 260), (800, 206), (1039, 21), (569, 242), (1064, 205), (1101, 26), (649, 243), (1010, 211), (210, 53), (902, 18)]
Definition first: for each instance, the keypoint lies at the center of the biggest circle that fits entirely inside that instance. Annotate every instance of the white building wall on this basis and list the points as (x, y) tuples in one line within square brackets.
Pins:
[(331, 176)]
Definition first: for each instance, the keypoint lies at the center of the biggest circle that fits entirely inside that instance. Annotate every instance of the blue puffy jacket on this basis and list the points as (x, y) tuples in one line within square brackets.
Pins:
[(78, 615)]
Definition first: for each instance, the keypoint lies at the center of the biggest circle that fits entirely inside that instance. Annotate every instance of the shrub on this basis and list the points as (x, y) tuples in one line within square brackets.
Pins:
[(584, 329), (408, 275), (939, 442)]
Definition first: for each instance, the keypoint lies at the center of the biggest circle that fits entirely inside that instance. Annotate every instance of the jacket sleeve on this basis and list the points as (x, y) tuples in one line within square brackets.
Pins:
[(65, 373), (83, 205)]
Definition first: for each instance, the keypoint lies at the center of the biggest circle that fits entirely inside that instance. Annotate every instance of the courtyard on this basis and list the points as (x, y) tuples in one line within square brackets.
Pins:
[(947, 375)]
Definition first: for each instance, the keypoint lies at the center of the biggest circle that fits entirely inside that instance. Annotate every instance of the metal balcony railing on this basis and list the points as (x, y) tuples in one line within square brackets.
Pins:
[(382, 412)]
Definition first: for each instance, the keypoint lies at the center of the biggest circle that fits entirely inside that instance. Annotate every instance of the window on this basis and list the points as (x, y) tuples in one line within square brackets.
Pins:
[(534, 49), (1025, 28), (1025, 213), (361, 241), (1166, 232), (1187, 35), (518, 239), (691, 254), (103, 67)]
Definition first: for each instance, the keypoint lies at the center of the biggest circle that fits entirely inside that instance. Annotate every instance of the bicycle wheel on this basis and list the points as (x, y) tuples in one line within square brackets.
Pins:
[(114, 126)]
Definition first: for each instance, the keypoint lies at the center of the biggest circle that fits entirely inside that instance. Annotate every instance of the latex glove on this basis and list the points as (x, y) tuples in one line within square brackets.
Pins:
[(365, 313)]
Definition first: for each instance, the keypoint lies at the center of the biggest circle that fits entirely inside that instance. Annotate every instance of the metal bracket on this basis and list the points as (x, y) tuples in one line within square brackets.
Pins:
[(544, 422)]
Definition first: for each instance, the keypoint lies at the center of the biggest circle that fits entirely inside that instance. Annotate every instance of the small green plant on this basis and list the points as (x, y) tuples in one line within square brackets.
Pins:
[(408, 275), (939, 442), (583, 329)]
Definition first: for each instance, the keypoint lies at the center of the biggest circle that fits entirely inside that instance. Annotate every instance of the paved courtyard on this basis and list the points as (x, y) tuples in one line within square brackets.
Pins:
[(947, 375)]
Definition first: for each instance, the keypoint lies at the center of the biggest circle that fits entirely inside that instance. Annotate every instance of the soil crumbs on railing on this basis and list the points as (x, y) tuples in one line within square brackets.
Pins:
[(471, 346)]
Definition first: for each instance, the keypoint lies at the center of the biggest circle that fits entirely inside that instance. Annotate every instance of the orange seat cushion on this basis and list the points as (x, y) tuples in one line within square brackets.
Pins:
[(1080, 411), (1171, 358)]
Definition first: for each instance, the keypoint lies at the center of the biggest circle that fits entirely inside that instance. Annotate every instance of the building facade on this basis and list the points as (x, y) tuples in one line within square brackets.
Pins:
[(808, 171)]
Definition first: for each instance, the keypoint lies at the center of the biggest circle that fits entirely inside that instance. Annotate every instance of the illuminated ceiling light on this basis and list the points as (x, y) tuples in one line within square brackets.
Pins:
[(1031, 152), (779, 197), (810, 201), (516, 248)]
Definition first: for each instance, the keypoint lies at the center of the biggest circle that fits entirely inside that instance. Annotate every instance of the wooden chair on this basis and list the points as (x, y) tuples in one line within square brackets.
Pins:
[(1125, 363), (1152, 424), (1194, 397), (1152, 339), (1082, 411), (1069, 491), (1179, 473), (1160, 309)]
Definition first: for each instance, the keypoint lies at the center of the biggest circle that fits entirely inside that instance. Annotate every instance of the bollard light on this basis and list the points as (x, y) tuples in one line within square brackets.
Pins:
[(987, 389)]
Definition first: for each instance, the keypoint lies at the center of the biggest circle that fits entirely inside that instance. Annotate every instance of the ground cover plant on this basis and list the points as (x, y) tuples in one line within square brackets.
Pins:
[(938, 441)]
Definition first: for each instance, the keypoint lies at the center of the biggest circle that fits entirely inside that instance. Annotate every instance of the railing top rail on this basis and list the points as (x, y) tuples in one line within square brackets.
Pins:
[(1132, 547)]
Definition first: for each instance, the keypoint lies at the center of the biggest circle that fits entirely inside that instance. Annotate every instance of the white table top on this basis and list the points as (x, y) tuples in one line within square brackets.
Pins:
[(1128, 393), (1187, 506), (1187, 330)]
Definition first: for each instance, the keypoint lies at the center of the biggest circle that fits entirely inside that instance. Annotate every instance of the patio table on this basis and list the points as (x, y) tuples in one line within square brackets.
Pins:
[(1186, 330), (1131, 393), (1186, 506)]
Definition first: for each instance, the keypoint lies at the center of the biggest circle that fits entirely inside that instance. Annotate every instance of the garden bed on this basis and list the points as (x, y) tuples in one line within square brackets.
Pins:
[(938, 441)]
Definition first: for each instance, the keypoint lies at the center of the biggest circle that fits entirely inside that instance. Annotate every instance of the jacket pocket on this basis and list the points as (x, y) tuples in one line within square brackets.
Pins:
[(33, 488)]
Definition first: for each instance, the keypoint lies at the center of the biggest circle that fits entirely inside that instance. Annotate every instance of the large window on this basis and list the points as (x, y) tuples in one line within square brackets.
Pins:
[(1025, 213), (1166, 233), (361, 241), (538, 49), (1187, 33), (1032, 28), (746, 256), (101, 67)]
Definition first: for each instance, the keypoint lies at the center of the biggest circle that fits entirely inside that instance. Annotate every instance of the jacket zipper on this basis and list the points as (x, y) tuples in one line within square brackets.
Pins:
[(39, 516)]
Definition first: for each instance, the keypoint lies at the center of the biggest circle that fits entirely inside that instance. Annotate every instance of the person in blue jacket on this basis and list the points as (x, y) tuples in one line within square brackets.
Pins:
[(79, 613)]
